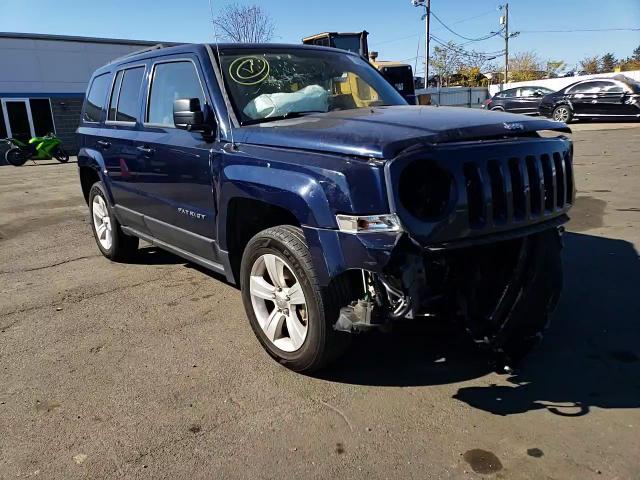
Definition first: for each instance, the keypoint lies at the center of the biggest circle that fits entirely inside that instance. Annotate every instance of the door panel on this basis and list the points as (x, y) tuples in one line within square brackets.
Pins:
[(118, 145), (177, 164)]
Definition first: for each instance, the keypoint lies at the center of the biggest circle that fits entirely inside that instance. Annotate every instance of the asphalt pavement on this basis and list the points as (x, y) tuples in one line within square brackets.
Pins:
[(150, 370)]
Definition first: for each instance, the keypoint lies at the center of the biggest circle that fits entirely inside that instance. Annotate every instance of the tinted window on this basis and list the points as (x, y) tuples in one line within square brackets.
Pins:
[(590, 87), (507, 93), (527, 92), (172, 81), (114, 96), (128, 106), (611, 87), (41, 116), (96, 98)]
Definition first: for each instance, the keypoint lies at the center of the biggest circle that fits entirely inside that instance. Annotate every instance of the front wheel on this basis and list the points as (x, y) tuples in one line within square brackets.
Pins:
[(562, 113), (16, 157), (61, 155), (290, 313)]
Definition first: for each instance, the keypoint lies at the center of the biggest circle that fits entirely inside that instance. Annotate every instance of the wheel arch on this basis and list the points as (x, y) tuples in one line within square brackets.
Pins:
[(91, 168)]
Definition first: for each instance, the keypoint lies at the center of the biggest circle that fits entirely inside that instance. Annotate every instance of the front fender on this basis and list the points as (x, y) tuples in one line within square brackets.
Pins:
[(300, 194)]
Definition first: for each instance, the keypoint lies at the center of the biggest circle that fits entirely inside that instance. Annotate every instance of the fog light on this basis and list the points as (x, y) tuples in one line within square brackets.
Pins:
[(388, 222)]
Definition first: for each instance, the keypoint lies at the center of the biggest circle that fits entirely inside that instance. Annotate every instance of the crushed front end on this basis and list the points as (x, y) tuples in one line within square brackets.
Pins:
[(479, 240)]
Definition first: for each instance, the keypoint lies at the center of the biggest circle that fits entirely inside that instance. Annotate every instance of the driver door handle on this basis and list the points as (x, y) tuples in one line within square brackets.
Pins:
[(146, 150), (103, 143)]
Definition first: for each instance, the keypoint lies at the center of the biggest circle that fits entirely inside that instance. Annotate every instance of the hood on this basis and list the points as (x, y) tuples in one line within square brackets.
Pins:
[(382, 132)]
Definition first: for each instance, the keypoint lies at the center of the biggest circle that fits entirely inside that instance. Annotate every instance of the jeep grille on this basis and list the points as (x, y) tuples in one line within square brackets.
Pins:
[(518, 188)]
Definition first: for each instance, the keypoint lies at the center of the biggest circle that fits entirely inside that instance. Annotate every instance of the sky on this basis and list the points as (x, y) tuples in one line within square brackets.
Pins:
[(395, 27)]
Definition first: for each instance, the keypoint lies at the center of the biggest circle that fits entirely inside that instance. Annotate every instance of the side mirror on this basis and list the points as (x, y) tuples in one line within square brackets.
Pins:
[(188, 114), (538, 93)]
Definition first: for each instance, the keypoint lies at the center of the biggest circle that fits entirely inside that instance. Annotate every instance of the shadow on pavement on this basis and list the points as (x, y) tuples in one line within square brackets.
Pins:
[(590, 357), (155, 256)]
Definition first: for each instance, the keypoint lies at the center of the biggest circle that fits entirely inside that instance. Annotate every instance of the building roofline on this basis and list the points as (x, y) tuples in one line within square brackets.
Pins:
[(73, 38)]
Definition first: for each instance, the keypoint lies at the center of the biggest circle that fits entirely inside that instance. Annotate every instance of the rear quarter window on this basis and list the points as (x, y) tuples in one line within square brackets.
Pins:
[(96, 98)]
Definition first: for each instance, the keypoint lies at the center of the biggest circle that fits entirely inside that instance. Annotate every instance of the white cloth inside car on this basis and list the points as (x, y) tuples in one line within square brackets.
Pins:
[(311, 98)]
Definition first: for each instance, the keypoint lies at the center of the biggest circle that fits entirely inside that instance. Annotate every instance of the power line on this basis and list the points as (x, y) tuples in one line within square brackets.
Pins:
[(485, 37), (462, 51), (576, 30), (474, 17)]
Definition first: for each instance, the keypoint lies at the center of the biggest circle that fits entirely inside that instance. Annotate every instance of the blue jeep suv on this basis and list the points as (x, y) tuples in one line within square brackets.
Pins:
[(300, 174)]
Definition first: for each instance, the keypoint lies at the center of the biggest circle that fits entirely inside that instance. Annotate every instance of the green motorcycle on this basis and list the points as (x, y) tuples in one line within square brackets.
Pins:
[(38, 148)]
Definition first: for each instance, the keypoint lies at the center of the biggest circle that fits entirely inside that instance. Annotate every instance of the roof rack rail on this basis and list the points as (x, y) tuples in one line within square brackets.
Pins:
[(157, 46)]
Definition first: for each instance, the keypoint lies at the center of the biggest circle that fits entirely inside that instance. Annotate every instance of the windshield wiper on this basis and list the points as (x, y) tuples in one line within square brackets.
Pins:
[(281, 117)]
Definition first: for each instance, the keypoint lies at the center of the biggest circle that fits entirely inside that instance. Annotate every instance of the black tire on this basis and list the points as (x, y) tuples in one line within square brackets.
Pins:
[(534, 300), (497, 109), (123, 247), (16, 157), (322, 344), (562, 113), (61, 155)]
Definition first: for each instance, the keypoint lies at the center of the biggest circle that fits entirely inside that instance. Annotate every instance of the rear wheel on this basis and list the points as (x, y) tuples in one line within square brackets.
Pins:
[(290, 313), (16, 157), (61, 155), (111, 240), (562, 113)]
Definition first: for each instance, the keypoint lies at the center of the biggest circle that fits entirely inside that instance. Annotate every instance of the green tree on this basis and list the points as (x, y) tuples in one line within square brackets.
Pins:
[(608, 63), (525, 66), (445, 61), (590, 64)]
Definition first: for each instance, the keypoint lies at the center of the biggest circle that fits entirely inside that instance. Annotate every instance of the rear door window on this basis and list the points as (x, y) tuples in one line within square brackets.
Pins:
[(589, 87), (96, 98), (128, 104), (508, 93), (171, 81)]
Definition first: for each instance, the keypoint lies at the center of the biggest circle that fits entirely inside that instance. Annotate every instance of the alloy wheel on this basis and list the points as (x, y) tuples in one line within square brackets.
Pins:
[(561, 114), (102, 222), (279, 302)]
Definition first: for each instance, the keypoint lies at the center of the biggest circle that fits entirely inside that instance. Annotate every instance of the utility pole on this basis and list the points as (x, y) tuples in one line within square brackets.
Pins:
[(427, 21), (504, 20), (506, 42)]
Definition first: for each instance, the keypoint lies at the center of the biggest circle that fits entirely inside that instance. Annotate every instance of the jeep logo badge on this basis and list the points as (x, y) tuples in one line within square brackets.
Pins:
[(513, 126)]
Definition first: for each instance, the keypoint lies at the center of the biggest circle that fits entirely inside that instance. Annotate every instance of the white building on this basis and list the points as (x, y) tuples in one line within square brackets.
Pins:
[(43, 79)]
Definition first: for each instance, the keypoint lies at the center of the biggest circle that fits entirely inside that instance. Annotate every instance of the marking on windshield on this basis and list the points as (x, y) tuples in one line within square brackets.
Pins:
[(249, 70)]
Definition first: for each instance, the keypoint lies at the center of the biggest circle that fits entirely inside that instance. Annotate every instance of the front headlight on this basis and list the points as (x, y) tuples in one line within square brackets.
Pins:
[(388, 222)]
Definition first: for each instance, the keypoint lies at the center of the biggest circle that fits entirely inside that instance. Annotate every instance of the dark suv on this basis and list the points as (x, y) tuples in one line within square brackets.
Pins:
[(517, 100), (300, 174)]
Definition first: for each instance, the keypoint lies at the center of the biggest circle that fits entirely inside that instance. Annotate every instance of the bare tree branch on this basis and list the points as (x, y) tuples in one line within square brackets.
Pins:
[(244, 24)]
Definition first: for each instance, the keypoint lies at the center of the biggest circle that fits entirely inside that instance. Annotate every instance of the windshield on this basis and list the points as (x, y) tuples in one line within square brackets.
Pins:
[(273, 84)]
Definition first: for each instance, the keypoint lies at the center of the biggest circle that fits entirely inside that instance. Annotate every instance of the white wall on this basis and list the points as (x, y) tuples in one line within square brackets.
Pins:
[(556, 84), (52, 66)]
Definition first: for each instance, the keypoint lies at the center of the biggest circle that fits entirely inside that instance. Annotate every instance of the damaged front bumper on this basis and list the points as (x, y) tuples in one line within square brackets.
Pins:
[(474, 281)]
